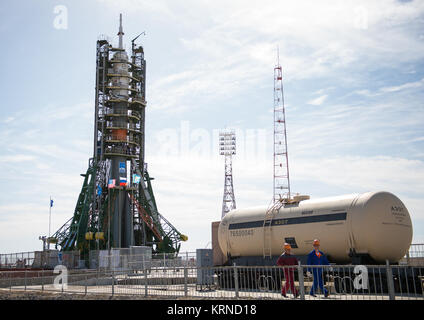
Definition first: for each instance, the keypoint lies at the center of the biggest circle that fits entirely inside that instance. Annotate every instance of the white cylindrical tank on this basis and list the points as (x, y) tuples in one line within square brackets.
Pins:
[(373, 223)]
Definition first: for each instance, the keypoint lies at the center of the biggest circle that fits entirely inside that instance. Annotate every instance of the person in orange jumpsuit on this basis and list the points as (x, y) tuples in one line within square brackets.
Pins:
[(286, 259)]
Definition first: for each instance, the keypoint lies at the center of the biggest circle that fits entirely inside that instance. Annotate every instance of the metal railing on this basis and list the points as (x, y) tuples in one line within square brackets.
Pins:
[(125, 138), (120, 150), (415, 255), (370, 282), (70, 259), (140, 261), (124, 112), (122, 125), (17, 260)]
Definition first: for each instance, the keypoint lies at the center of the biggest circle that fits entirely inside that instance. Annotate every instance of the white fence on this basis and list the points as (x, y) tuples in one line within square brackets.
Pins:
[(234, 282)]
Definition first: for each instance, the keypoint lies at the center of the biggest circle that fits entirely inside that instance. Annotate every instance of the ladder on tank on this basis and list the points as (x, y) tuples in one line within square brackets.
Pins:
[(267, 227)]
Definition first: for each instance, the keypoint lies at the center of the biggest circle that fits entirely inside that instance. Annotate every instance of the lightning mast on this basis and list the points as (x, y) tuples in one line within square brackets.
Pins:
[(227, 148), (281, 182)]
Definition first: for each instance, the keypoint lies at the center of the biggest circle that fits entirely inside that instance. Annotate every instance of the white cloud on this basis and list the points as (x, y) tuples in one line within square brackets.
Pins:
[(318, 101), (8, 119), (388, 89), (408, 85), (232, 45), (366, 173), (417, 139), (16, 158), (365, 92)]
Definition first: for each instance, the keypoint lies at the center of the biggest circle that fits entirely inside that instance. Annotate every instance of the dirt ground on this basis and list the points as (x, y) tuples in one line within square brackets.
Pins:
[(36, 295)]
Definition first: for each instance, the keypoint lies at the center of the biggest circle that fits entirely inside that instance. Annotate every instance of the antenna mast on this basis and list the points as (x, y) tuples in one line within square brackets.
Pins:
[(281, 186)]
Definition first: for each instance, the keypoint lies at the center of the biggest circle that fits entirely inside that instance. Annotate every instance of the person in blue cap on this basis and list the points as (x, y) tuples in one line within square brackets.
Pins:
[(317, 258)]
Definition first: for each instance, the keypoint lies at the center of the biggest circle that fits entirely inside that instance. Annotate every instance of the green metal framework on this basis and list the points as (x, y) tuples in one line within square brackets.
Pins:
[(74, 230), (160, 233), (90, 226)]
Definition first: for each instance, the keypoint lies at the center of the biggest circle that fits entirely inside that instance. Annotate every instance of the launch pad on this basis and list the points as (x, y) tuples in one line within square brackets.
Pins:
[(116, 207)]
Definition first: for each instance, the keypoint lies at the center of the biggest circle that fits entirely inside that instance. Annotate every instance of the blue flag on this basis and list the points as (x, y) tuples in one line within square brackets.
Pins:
[(51, 203), (136, 178)]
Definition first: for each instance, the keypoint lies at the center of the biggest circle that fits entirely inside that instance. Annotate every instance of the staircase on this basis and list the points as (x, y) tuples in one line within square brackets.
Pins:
[(267, 228), (170, 236), (140, 212)]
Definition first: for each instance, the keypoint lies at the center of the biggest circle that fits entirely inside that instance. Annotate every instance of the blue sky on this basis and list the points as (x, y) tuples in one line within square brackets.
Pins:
[(353, 81)]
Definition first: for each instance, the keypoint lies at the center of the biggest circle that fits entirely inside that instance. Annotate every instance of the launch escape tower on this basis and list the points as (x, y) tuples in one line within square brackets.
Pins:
[(116, 207), (227, 148), (281, 181)]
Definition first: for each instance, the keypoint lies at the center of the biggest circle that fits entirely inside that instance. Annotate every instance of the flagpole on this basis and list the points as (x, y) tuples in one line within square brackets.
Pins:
[(50, 218)]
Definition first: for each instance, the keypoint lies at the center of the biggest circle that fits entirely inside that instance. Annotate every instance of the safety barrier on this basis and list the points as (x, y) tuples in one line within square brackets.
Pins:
[(415, 255), (347, 282), (17, 260), (124, 259)]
